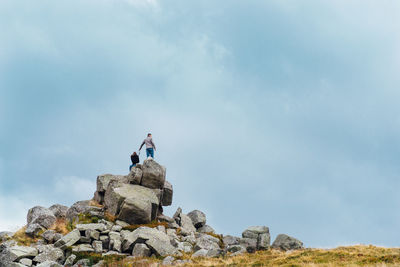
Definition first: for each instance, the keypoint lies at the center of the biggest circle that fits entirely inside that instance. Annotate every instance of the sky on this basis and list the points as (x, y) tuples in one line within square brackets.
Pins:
[(281, 113)]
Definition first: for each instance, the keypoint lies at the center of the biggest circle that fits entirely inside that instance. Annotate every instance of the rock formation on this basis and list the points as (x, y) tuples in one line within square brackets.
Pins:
[(125, 218)]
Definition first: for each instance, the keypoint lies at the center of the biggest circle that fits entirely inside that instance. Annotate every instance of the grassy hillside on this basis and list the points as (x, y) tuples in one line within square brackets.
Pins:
[(342, 256)]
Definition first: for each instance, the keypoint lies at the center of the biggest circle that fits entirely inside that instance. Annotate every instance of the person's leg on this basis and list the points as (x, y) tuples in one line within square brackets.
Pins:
[(152, 152), (147, 152), (130, 167)]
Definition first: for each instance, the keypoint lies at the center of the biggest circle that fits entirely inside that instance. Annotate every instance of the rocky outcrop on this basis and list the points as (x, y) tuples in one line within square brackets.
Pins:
[(111, 224), (285, 242)]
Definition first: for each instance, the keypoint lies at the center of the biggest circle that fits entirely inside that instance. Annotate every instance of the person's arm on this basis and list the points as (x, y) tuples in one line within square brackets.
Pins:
[(141, 146), (153, 144)]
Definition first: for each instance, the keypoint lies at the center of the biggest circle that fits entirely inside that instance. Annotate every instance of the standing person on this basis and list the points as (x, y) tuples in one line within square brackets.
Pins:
[(134, 159), (150, 147)]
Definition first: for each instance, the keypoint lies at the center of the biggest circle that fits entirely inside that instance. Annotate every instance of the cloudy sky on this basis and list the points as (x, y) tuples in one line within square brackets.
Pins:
[(281, 113)]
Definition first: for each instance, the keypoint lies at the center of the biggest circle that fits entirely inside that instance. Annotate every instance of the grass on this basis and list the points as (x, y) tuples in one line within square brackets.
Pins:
[(152, 224), (23, 239), (352, 256)]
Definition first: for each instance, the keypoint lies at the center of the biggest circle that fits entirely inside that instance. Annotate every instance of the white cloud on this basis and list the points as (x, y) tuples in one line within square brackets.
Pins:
[(74, 188)]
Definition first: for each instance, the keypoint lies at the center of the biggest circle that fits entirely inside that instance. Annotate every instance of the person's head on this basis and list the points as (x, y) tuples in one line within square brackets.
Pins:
[(134, 153), (149, 135)]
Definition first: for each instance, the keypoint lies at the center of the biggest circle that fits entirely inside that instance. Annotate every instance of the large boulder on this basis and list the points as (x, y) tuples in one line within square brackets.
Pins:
[(207, 242), (60, 211), (260, 234), (157, 241), (102, 184), (15, 253), (41, 216), (153, 174), (34, 229), (187, 226), (83, 207), (285, 242), (132, 203), (198, 218), (167, 194)]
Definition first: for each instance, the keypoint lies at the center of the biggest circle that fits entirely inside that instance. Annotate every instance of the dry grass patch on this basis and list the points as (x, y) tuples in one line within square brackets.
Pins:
[(22, 238), (94, 203), (109, 217), (61, 226)]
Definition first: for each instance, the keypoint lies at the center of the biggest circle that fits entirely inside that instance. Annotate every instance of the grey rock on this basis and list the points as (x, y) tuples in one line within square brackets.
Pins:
[(184, 246), (83, 207), (249, 243), (177, 215), (97, 246), (212, 253), (168, 260), (153, 174), (157, 241), (7, 244), (116, 228), (26, 262), (15, 253), (164, 218), (100, 264), (206, 229), (11, 264), (49, 264), (85, 240), (236, 249), (82, 262), (50, 253), (167, 195), (115, 241), (135, 176), (263, 241), (49, 235), (161, 228), (229, 240), (41, 216), (70, 260), (68, 240), (121, 223), (34, 229), (141, 250), (57, 236), (187, 226), (83, 248), (92, 234), (200, 253), (206, 242), (285, 242), (254, 231), (198, 218), (60, 211), (91, 226), (136, 210), (102, 184)]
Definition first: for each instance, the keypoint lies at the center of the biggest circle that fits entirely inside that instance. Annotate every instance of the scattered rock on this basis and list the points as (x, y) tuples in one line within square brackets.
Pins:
[(135, 176), (91, 226), (200, 253), (187, 226), (49, 235), (83, 207), (26, 262), (198, 218), (41, 216), (167, 194), (68, 240), (34, 229), (97, 246), (15, 253), (70, 260), (285, 242), (50, 253), (83, 248), (206, 242), (168, 260), (141, 250), (49, 264), (206, 229)]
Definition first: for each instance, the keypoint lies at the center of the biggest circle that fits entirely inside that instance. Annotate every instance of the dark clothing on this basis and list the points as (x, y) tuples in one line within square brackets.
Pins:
[(134, 159)]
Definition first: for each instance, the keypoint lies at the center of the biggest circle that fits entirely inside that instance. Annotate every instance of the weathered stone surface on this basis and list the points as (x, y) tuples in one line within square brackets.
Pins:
[(153, 174), (115, 241), (164, 218), (97, 246), (91, 226), (205, 229), (198, 218), (60, 211), (70, 260), (254, 231), (42, 216), (135, 176), (105, 240), (5, 235), (263, 241), (82, 262), (15, 253), (200, 253), (49, 264), (136, 211), (7, 244), (285, 242), (141, 250), (157, 241), (92, 234), (26, 262), (249, 243), (57, 236), (68, 240), (168, 260), (83, 248), (167, 194), (121, 223), (116, 228), (206, 242), (177, 215), (83, 207), (50, 253), (184, 246), (49, 235), (115, 197), (187, 226), (236, 249), (34, 229)]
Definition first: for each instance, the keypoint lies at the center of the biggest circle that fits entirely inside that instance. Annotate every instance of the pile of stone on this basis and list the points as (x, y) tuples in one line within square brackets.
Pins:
[(122, 206)]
